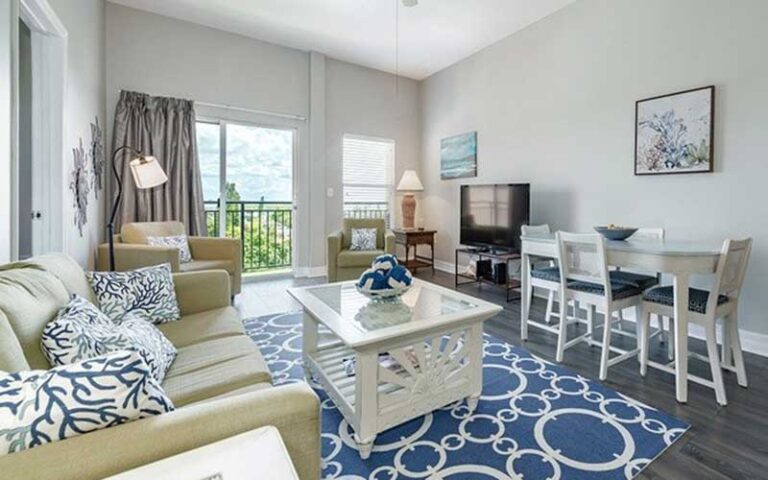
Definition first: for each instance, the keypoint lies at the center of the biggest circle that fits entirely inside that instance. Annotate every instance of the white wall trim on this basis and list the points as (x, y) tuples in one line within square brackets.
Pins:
[(38, 15), (752, 342), (310, 272)]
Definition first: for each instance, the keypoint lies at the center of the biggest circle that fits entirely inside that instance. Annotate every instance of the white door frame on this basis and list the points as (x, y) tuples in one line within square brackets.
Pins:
[(224, 116), (49, 62)]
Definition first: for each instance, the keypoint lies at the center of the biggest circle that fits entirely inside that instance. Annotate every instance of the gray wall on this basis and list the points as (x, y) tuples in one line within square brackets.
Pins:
[(83, 101), (163, 56), (554, 105), (363, 101)]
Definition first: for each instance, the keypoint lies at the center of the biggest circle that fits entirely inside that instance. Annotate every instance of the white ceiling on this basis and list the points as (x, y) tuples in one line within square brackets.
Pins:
[(433, 35)]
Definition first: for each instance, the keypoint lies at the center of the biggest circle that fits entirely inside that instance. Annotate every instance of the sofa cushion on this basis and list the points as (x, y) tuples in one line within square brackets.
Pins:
[(11, 354), (75, 399), (201, 265), (239, 391), (357, 258), (208, 353), (30, 298), (199, 327), (147, 292), (139, 231), (216, 379), (63, 267)]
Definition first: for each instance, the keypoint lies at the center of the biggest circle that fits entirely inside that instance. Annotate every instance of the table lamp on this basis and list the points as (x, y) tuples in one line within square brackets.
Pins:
[(409, 182), (147, 173)]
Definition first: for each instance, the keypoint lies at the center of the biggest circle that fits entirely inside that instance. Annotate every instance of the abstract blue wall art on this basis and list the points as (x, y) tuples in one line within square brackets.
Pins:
[(674, 133), (458, 156)]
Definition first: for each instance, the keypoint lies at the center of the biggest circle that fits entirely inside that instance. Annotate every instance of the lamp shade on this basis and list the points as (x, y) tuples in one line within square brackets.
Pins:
[(147, 172), (410, 182)]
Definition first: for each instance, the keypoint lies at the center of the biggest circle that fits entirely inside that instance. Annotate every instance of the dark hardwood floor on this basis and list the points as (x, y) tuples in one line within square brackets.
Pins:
[(724, 442)]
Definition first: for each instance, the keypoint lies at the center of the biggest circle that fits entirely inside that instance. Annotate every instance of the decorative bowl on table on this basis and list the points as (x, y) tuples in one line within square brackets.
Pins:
[(615, 232), (385, 279)]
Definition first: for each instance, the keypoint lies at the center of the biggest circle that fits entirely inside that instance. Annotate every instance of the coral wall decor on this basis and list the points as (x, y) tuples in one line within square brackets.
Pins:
[(674, 132), (80, 186)]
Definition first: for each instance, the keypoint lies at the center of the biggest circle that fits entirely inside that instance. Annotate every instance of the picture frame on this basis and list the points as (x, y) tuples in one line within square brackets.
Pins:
[(458, 156), (674, 133)]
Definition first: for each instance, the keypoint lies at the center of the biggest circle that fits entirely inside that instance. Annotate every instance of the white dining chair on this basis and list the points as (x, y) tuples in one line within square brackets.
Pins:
[(545, 273), (645, 281), (584, 278), (706, 308)]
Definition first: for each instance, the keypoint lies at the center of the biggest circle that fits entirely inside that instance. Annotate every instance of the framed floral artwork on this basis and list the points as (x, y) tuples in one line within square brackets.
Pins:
[(674, 133)]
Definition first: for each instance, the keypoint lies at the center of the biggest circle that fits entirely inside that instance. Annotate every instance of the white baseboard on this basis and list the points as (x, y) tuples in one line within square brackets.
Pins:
[(752, 342), (310, 272)]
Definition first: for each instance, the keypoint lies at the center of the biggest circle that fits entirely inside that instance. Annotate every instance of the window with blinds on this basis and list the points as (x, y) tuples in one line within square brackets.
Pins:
[(368, 177)]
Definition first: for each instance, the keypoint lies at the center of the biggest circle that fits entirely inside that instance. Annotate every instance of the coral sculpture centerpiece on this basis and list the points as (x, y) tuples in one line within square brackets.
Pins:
[(385, 279)]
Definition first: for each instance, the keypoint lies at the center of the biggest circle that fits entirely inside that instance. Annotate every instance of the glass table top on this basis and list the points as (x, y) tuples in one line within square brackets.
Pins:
[(420, 303)]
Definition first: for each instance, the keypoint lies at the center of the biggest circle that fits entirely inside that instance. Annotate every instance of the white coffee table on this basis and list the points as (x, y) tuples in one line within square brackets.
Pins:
[(434, 338)]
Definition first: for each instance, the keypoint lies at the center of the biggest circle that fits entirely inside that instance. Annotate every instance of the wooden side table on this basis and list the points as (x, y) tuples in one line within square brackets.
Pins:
[(411, 237)]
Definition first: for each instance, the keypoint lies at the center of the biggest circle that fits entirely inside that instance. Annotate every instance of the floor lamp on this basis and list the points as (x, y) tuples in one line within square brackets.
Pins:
[(147, 173)]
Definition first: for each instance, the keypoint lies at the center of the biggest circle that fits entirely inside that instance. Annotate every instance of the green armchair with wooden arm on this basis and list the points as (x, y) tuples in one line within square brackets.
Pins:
[(346, 264), (208, 253)]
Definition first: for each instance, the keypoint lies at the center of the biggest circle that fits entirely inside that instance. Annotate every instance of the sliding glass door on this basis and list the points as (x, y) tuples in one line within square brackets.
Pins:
[(248, 182)]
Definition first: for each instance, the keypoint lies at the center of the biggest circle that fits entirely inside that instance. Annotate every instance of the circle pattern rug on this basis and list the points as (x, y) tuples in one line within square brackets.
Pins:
[(536, 420)]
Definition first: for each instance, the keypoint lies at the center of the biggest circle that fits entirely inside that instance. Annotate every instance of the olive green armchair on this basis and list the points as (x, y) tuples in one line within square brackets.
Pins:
[(346, 264), (208, 253)]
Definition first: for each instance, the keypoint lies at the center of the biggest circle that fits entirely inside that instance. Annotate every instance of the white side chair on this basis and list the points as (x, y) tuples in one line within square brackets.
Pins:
[(584, 278), (546, 277), (645, 281), (705, 308)]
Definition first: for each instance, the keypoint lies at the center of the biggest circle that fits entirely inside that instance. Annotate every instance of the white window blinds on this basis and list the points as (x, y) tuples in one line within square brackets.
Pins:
[(368, 176)]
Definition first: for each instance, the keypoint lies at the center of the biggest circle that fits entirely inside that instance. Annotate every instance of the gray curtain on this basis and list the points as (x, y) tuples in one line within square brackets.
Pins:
[(164, 128)]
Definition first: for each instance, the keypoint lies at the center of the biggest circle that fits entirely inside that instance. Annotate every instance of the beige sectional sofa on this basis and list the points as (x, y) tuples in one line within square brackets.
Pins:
[(219, 382)]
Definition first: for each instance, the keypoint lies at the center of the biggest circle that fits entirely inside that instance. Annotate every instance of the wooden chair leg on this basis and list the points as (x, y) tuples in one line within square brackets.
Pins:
[(732, 325), (714, 363), (670, 336), (725, 350), (591, 324), (621, 320), (644, 320), (550, 306), (606, 352), (563, 331)]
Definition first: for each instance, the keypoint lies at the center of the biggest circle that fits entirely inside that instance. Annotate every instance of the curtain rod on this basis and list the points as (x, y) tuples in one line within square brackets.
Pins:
[(241, 109)]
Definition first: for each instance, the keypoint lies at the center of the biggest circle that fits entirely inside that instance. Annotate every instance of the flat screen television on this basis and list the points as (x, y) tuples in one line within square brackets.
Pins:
[(491, 215)]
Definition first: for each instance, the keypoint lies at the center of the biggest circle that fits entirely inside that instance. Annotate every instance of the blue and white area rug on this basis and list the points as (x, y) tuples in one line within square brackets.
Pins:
[(535, 420)]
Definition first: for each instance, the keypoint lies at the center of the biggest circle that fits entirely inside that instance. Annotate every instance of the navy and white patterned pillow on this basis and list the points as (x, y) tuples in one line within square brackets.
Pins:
[(147, 292), (80, 331), (43, 406), (363, 239), (178, 241)]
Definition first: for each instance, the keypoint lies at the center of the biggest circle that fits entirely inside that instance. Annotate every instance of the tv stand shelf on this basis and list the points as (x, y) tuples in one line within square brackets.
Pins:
[(505, 257)]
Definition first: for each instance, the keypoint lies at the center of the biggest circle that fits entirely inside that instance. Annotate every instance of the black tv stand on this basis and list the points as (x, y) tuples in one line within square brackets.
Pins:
[(506, 256)]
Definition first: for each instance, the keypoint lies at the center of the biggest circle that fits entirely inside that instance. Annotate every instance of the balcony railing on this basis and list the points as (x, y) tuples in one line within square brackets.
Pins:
[(367, 210), (264, 230)]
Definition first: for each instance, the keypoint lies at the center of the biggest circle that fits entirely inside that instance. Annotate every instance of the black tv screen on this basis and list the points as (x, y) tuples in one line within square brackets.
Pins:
[(491, 215)]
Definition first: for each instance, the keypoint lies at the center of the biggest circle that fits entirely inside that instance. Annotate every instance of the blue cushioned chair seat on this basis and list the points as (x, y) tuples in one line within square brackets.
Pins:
[(697, 299), (618, 290), (548, 273), (636, 279)]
